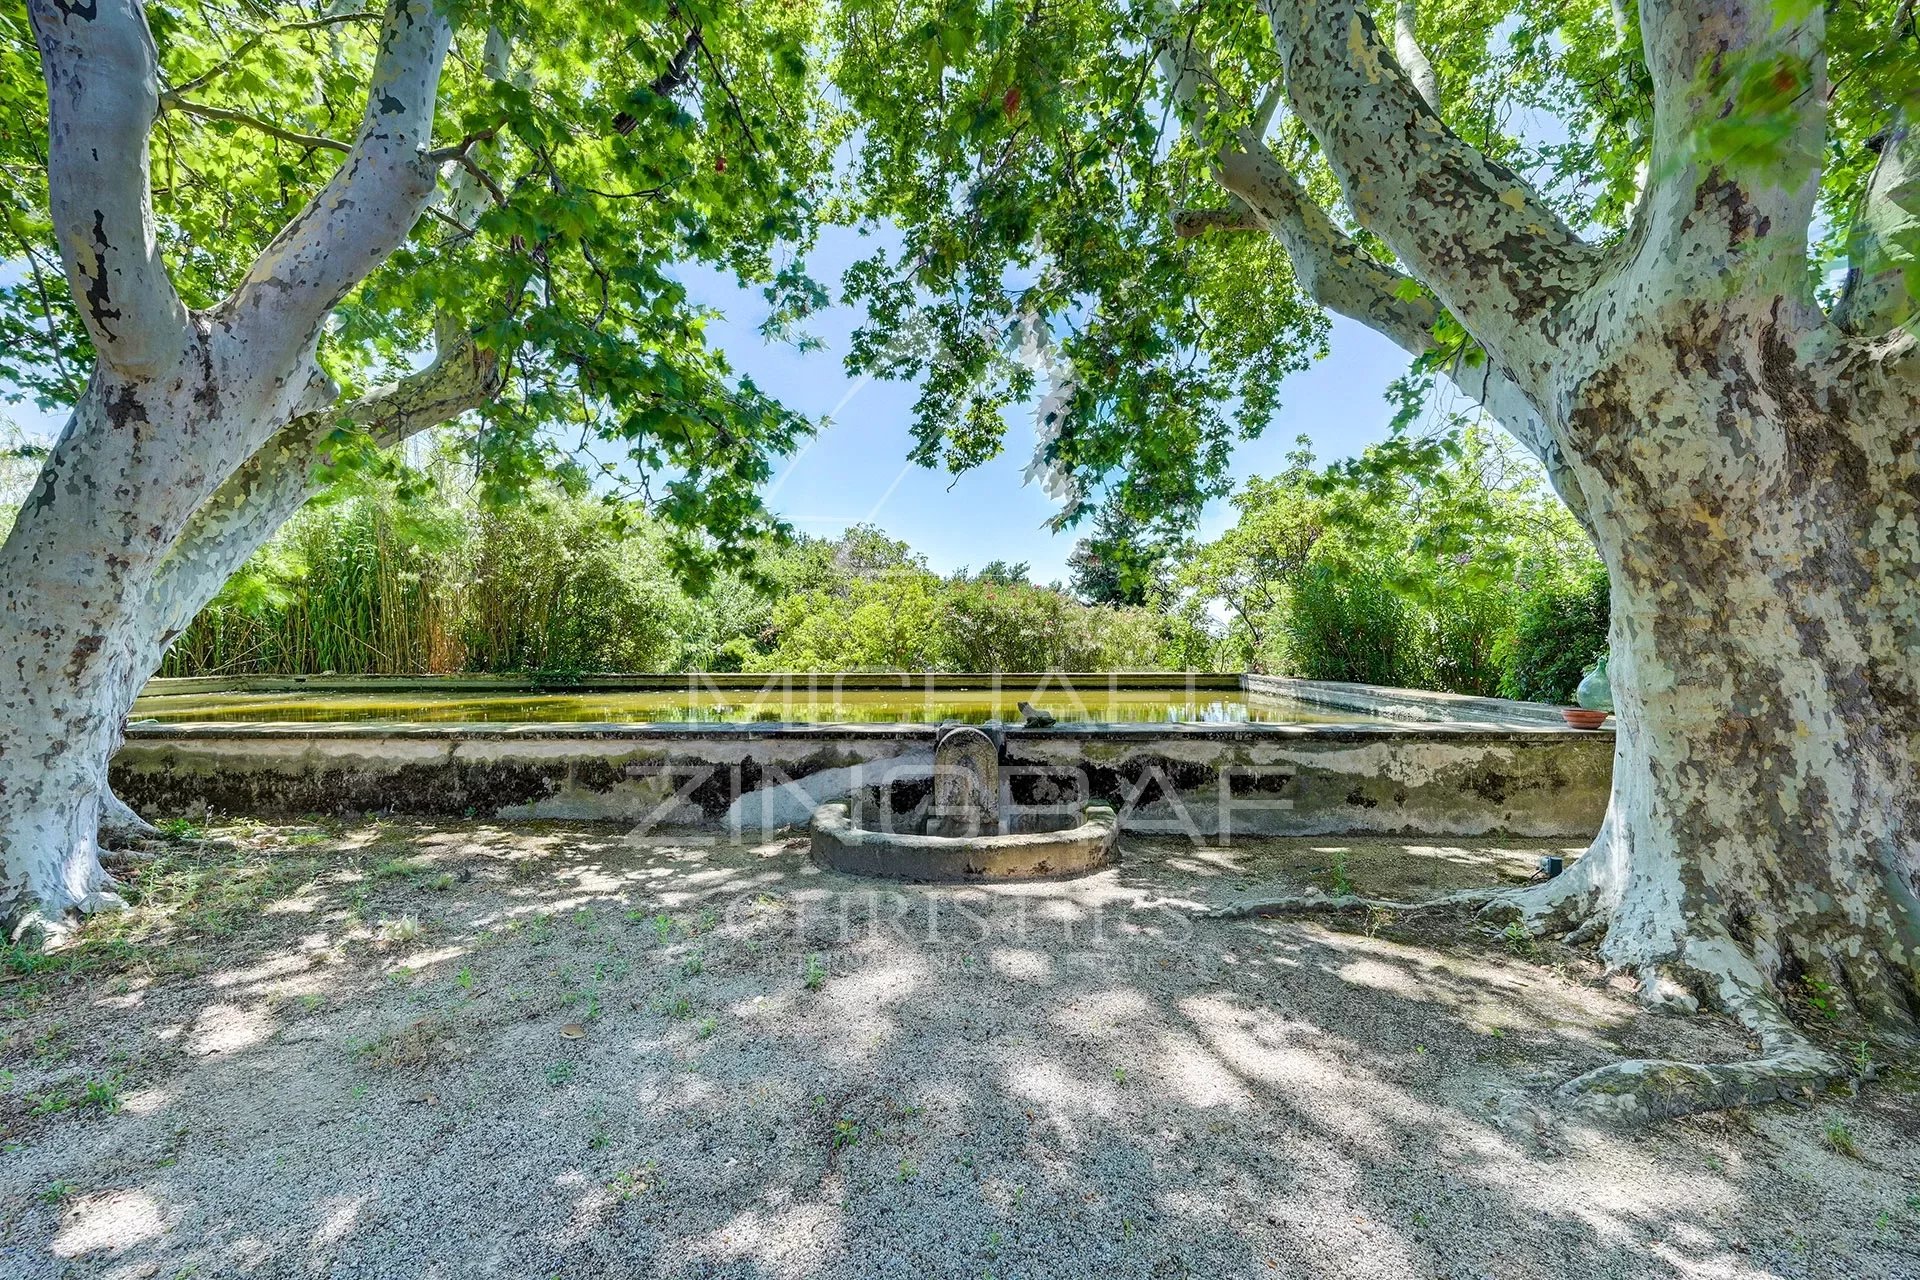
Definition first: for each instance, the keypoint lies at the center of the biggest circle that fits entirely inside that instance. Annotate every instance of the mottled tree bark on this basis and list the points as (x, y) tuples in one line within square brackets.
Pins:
[(1747, 467), (197, 434)]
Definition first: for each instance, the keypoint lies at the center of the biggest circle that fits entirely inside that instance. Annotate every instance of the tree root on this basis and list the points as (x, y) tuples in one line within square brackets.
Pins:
[(1312, 903), (1643, 1090), (119, 824)]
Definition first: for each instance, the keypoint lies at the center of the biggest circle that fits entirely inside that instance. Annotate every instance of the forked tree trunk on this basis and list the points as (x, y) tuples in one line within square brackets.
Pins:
[(195, 437)]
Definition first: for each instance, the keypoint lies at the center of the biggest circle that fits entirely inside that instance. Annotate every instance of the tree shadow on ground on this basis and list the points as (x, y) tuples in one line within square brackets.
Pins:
[(481, 1049)]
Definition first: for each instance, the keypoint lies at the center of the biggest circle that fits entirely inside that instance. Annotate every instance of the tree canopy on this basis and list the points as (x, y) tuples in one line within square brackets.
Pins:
[(585, 149)]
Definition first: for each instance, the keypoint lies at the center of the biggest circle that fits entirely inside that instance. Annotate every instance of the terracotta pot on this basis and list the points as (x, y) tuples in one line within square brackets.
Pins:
[(1581, 718)]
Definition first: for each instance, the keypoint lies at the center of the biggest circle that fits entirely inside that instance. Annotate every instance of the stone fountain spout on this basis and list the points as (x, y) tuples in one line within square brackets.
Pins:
[(966, 784)]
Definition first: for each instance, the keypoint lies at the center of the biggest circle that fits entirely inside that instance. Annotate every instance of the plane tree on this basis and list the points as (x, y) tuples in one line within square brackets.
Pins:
[(1668, 246), (255, 244)]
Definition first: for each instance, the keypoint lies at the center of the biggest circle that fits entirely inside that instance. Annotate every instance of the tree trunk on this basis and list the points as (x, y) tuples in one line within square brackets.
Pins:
[(73, 577), (1764, 838)]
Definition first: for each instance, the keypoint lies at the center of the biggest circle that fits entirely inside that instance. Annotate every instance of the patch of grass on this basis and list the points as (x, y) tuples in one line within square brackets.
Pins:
[(558, 1073), (464, 979), (55, 1192), (181, 829), (1119, 1075), (101, 1095), (909, 1171), (420, 1044), (397, 869), (816, 973), (706, 1029), (693, 965), (679, 1007), (663, 928), (1840, 1137)]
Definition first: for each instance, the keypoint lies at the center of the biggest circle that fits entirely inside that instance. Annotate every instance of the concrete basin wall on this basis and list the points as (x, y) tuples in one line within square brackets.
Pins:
[(1401, 777)]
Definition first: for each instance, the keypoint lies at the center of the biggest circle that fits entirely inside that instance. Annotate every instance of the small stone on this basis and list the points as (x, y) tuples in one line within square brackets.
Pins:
[(573, 1031)]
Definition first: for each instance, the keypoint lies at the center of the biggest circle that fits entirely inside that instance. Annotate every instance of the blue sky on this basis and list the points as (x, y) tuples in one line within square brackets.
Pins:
[(856, 470)]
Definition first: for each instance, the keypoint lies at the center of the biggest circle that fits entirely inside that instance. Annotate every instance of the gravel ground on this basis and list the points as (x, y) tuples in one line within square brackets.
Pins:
[(551, 1050)]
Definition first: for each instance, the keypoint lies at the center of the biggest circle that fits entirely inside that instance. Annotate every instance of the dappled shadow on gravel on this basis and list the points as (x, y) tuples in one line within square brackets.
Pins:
[(541, 1049)]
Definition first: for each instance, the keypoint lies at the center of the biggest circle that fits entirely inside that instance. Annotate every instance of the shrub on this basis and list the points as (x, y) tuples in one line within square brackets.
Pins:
[(1465, 630), (1559, 629), (1345, 624)]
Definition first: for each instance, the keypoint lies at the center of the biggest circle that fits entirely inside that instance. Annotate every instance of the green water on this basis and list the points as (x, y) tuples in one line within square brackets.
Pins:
[(682, 706)]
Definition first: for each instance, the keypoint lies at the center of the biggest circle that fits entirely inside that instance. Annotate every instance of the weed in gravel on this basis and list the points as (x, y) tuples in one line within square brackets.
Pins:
[(816, 973), (419, 1044), (663, 928), (909, 1171), (558, 1073), (102, 1095), (1518, 941), (707, 1027), (55, 1192), (846, 1132), (1342, 881), (406, 929), (638, 1180), (1840, 1137), (693, 965)]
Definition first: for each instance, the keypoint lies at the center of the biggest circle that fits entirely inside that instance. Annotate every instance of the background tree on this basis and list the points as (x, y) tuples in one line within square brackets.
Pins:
[(1123, 560), (290, 236), (1734, 423)]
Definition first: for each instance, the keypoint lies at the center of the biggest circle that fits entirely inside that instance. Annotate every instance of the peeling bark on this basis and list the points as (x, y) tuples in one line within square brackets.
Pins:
[(1750, 471), (198, 433)]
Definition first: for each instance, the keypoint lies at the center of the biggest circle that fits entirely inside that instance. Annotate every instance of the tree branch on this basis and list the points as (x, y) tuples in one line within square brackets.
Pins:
[(1883, 283), (1344, 278), (1413, 59), (1471, 230), (373, 199), (273, 484), (205, 111), (1738, 119), (253, 41), (102, 93), (1188, 223)]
